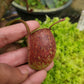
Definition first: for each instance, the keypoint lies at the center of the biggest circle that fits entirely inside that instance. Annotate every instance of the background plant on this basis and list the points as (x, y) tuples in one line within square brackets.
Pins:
[(42, 4)]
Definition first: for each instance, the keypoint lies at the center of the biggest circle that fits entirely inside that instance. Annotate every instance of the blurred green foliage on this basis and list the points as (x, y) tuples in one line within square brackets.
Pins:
[(37, 4)]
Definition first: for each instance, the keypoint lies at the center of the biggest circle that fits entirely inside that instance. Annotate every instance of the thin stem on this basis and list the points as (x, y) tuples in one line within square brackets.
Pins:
[(27, 6), (20, 20), (56, 23)]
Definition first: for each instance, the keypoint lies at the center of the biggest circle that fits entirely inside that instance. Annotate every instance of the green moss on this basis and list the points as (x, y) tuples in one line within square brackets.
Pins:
[(69, 59)]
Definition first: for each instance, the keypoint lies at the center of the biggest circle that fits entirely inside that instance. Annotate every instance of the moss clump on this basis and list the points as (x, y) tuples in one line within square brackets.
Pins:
[(69, 60)]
